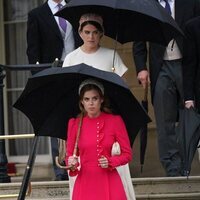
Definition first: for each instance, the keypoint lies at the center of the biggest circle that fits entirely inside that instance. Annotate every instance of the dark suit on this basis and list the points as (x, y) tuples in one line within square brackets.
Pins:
[(166, 86), (44, 39), (45, 44), (191, 62)]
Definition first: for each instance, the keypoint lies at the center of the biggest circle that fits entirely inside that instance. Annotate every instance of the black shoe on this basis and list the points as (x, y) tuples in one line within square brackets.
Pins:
[(185, 173), (173, 173)]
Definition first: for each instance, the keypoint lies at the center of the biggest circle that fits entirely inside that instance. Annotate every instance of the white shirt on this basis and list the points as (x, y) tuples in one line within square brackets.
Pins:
[(68, 37), (172, 51)]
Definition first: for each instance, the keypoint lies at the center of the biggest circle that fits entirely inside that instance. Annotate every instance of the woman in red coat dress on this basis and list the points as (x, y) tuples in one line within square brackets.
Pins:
[(97, 177)]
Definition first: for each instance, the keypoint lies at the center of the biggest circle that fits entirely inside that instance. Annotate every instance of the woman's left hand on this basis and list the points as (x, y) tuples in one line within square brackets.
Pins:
[(103, 162)]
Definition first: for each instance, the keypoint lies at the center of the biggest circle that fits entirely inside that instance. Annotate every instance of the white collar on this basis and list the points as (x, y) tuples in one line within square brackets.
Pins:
[(52, 4), (170, 1)]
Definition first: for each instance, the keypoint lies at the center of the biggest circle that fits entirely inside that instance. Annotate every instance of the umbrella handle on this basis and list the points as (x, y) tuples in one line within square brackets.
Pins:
[(146, 92), (58, 164), (78, 135), (61, 166), (114, 54)]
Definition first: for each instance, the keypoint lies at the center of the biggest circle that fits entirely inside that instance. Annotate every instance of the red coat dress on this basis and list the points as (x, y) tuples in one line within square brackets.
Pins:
[(96, 139)]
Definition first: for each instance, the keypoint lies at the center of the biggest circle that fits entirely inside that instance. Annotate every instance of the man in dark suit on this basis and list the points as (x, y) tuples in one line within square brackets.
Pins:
[(191, 64), (165, 66), (47, 40)]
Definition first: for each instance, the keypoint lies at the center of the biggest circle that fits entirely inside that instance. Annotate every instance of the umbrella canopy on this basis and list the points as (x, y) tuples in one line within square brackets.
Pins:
[(50, 99), (127, 20), (188, 135)]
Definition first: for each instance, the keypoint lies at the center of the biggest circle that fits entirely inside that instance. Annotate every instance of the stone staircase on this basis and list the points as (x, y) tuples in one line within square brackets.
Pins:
[(179, 188)]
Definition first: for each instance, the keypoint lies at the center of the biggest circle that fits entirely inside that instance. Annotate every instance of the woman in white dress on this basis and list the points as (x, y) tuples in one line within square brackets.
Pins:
[(91, 53)]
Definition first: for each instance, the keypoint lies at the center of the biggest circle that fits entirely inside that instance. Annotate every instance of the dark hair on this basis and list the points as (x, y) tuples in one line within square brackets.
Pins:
[(88, 87), (96, 24)]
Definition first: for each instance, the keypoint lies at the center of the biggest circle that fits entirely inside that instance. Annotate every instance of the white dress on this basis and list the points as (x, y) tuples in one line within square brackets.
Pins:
[(124, 173), (103, 59)]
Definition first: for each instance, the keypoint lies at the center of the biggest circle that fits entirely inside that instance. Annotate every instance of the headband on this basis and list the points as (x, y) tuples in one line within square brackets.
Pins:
[(91, 17), (91, 82)]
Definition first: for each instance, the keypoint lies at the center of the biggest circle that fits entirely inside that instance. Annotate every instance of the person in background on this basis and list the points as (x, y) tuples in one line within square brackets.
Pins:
[(91, 31), (50, 38), (97, 177), (165, 66), (191, 65)]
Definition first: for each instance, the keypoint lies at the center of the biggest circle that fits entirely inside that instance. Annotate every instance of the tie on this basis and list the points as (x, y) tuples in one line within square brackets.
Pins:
[(62, 21), (167, 7)]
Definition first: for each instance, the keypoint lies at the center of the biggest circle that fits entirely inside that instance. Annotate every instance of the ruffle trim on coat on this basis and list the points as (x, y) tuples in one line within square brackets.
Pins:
[(100, 136)]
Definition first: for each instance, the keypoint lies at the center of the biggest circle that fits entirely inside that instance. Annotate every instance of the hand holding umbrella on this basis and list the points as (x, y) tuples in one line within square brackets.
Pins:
[(73, 160)]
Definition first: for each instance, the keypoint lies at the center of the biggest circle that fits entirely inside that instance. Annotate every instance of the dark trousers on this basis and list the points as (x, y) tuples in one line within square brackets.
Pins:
[(167, 103), (59, 173)]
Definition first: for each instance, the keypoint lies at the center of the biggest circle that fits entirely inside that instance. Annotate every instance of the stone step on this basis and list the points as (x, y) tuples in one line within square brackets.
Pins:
[(159, 188), (165, 188), (40, 172)]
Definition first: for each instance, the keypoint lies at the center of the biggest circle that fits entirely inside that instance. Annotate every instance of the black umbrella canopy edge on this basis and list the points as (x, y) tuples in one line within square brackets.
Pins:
[(56, 72)]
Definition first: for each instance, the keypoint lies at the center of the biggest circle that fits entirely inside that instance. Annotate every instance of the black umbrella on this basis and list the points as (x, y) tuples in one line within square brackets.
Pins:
[(188, 135), (126, 20), (50, 98), (143, 131)]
